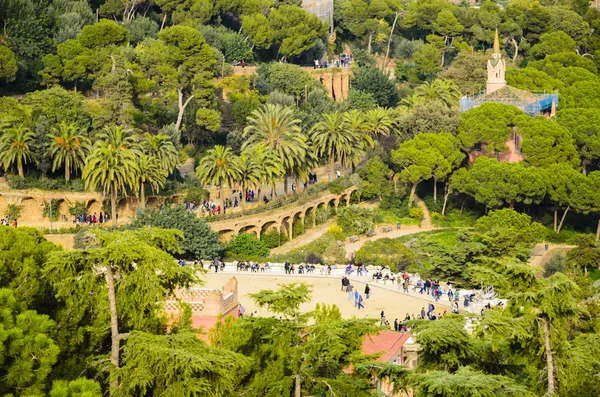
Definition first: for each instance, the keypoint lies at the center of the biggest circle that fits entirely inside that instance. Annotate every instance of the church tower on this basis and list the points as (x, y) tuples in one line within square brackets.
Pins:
[(496, 68)]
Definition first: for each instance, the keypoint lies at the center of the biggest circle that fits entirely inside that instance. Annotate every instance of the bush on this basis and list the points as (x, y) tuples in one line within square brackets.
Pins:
[(246, 245), (297, 228), (323, 214), (556, 264), (385, 252), (416, 213), (201, 242), (196, 195), (336, 188), (50, 208), (77, 208), (335, 254), (271, 238), (395, 204), (337, 232), (35, 182), (355, 220), (313, 258), (13, 211)]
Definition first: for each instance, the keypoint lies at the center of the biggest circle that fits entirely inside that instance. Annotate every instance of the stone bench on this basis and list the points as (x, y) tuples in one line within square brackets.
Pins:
[(353, 239)]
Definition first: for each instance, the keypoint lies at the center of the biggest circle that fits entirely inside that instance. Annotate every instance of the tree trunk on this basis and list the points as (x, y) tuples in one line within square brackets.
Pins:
[(387, 51), (162, 25), (434, 190), (411, 198), (114, 324), (298, 382), (221, 197), (443, 58), (446, 194), (549, 357), (67, 171), (598, 231), (370, 41), (181, 105), (20, 167), (113, 206), (142, 196), (332, 166), (516, 49), (243, 187), (555, 217)]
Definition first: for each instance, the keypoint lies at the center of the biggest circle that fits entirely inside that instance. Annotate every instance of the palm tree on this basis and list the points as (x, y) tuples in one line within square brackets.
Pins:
[(149, 171), (355, 124), (217, 167), (249, 173), (161, 148), (378, 122), (112, 165), (270, 168), (279, 132), (444, 91), (331, 137), (68, 147), (15, 147)]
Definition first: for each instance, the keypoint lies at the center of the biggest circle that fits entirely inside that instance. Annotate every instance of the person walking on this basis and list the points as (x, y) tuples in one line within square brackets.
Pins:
[(367, 291), (396, 327), (360, 302), (216, 264), (405, 286), (349, 289), (382, 318), (423, 313), (356, 295)]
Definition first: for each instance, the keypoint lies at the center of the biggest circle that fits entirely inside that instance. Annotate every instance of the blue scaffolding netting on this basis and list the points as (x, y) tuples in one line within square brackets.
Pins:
[(535, 104)]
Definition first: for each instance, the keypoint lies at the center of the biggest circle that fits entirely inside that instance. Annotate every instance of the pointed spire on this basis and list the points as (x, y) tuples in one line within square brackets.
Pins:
[(496, 43)]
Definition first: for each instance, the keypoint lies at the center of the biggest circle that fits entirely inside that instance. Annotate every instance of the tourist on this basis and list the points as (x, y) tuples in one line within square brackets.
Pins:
[(360, 302), (329, 270), (349, 289), (382, 318), (216, 264), (405, 286), (367, 291), (427, 286), (14, 224), (243, 64), (345, 281), (356, 297), (396, 325), (423, 313), (241, 310)]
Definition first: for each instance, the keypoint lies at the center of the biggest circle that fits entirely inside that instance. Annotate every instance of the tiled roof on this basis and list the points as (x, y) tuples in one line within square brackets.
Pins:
[(388, 342), (512, 94)]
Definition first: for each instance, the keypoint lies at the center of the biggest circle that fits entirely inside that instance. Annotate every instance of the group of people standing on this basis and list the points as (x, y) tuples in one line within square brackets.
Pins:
[(91, 219), (354, 294)]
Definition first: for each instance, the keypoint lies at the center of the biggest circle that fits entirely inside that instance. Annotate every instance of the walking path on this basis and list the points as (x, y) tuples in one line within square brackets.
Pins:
[(308, 237), (539, 255)]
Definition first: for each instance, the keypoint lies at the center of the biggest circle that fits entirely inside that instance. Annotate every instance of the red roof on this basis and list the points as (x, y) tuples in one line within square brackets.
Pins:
[(388, 342)]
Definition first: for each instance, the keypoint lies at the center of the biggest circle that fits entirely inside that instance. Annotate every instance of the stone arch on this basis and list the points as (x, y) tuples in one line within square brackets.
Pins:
[(310, 216), (3, 206), (354, 197), (297, 221), (285, 227), (270, 225), (62, 208), (31, 209), (94, 205), (153, 202), (249, 229), (226, 235), (344, 200)]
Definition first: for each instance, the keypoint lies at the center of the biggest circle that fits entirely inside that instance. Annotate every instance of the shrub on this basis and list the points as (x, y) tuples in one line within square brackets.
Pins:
[(355, 220), (323, 214), (313, 258), (416, 213), (335, 254), (201, 242), (297, 228), (336, 188), (246, 245), (556, 264), (337, 232), (385, 252), (271, 238), (77, 208), (13, 211), (50, 208), (196, 195), (436, 218), (395, 204)]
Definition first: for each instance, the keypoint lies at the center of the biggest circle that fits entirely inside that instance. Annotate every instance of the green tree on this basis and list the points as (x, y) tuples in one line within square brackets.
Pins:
[(8, 64), (149, 171), (426, 60), (488, 124), (355, 220), (102, 34), (161, 148), (249, 173), (217, 167), (15, 148), (181, 61), (200, 242), (563, 184), (246, 245), (28, 349), (112, 165), (553, 43), (331, 138), (468, 71), (375, 175), (588, 198), (295, 29), (68, 147), (278, 131), (584, 125), (505, 232), (291, 357), (585, 255), (129, 272), (76, 388), (377, 83), (386, 252)]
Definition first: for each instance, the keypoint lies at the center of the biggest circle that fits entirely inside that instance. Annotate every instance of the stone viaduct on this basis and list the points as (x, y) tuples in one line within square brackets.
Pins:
[(281, 219)]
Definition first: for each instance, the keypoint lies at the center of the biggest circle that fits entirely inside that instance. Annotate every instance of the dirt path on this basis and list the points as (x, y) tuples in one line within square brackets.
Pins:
[(539, 255), (403, 231)]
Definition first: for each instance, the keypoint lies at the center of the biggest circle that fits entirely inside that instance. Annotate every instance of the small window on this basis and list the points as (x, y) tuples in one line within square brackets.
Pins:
[(477, 147), (496, 75)]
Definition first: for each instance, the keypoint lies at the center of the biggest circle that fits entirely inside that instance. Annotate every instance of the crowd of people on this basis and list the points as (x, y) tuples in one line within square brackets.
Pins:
[(6, 222), (341, 61), (81, 219)]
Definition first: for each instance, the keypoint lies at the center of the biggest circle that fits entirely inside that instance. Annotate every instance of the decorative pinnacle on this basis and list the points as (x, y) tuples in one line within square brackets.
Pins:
[(496, 43)]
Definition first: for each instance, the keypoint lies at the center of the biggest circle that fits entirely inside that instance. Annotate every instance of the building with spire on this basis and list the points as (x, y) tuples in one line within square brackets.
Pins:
[(496, 90)]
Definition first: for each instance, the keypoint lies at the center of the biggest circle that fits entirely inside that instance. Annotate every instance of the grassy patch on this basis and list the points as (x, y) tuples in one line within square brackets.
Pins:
[(455, 218), (383, 216)]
